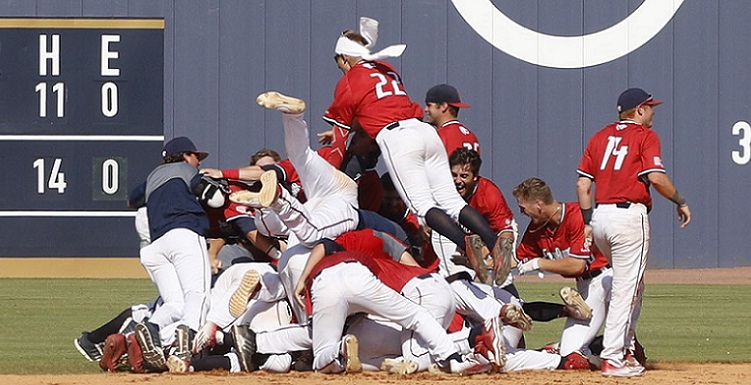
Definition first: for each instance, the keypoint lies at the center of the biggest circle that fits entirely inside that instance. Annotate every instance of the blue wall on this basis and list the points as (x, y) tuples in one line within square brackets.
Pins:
[(531, 120)]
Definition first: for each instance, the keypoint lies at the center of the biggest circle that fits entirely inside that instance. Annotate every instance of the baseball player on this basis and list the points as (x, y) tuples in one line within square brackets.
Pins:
[(442, 104), (555, 242), (345, 283), (371, 97), (624, 159), (485, 197), (176, 260)]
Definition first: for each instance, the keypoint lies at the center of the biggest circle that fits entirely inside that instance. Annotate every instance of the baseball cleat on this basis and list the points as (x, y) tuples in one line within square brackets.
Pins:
[(351, 354), (151, 349), (135, 356), (177, 365), (477, 254), (248, 287), (269, 188), (503, 255), (468, 366), (246, 198), (90, 350), (396, 366), (609, 370), (576, 361), (490, 344), (114, 348), (575, 304), (183, 341), (245, 346), (273, 100), (515, 316)]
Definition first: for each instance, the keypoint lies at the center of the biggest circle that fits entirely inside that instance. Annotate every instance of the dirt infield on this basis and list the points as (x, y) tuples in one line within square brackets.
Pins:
[(663, 373)]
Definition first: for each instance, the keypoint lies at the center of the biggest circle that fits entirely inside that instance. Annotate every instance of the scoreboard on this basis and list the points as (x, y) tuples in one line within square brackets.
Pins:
[(81, 123)]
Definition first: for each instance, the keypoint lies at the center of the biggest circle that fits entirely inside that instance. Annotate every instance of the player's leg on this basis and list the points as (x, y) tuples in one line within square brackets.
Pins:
[(194, 272), (331, 292), (578, 334), (628, 258), (403, 150), (163, 274)]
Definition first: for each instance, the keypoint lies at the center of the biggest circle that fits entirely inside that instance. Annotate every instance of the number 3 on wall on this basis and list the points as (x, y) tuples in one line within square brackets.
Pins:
[(744, 130)]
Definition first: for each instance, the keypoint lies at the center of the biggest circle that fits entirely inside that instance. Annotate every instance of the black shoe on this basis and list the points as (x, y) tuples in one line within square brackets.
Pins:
[(92, 352), (245, 346), (147, 335)]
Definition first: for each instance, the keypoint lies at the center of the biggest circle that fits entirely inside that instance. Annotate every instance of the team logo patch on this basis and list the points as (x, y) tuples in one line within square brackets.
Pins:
[(658, 161)]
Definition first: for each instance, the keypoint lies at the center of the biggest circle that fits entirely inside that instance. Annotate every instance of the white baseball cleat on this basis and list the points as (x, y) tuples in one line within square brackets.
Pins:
[(575, 304), (515, 316), (239, 299), (610, 370), (273, 100), (177, 365), (246, 198), (398, 366), (351, 354)]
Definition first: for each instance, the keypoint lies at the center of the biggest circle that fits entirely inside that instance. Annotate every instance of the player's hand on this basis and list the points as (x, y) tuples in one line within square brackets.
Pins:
[(529, 266), (206, 337), (684, 215), (326, 137), (212, 172), (300, 293), (216, 264), (588, 233)]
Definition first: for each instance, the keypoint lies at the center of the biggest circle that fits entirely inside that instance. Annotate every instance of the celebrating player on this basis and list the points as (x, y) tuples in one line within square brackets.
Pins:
[(371, 97), (442, 104), (624, 160)]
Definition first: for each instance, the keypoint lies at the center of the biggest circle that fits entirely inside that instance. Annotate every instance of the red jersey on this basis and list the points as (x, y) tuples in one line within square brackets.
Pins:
[(372, 94), (454, 136), (488, 200), (370, 191), (618, 159), (563, 240)]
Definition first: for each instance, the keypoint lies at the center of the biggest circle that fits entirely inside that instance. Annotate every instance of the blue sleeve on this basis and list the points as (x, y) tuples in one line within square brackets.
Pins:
[(137, 197)]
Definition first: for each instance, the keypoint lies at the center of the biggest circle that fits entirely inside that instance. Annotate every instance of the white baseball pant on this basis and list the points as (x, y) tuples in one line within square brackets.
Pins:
[(270, 292), (349, 288), (178, 264), (419, 167), (628, 228), (578, 334)]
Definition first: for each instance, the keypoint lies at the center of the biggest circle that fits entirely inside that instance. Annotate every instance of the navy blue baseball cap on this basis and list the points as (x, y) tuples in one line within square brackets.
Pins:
[(635, 97), (182, 144), (444, 93)]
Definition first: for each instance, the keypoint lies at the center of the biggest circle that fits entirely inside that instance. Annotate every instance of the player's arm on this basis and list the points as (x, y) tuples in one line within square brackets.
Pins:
[(568, 266), (584, 195), (665, 187), (316, 255)]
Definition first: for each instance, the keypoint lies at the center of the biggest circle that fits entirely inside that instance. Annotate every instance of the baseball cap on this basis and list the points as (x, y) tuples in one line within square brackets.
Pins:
[(182, 144), (634, 97), (444, 93)]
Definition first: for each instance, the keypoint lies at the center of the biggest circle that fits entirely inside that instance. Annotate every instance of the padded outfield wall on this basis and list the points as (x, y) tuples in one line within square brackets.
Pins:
[(534, 105)]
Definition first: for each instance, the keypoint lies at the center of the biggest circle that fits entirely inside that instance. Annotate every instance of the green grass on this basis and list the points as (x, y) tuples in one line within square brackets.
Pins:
[(41, 317), (697, 323)]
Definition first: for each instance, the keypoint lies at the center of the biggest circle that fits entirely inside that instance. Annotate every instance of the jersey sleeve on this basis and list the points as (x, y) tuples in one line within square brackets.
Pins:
[(586, 164), (651, 159), (341, 112), (528, 249)]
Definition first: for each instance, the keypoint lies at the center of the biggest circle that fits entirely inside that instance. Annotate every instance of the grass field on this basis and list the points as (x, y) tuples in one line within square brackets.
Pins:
[(41, 317)]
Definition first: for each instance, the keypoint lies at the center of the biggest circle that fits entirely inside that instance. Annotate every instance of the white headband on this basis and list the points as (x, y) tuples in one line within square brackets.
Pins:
[(369, 30)]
